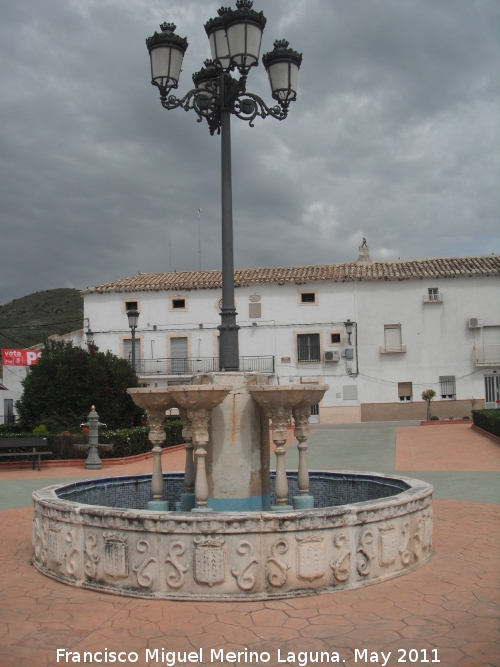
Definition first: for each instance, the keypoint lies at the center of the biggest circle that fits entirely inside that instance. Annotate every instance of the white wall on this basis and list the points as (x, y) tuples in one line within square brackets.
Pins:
[(437, 338)]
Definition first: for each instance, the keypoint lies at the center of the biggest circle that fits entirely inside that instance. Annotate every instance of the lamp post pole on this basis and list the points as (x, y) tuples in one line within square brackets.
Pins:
[(229, 358), (235, 37), (133, 321)]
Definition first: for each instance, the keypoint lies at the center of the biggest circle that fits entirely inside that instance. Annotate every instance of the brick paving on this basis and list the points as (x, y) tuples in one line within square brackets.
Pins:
[(451, 604), (454, 447)]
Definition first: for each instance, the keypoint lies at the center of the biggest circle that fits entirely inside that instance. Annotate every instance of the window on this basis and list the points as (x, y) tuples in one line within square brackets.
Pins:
[(131, 305), (350, 392), (308, 347), (433, 294), (178, 303), (392, 338), (178, 355), (447, 386), (254, 310), (405, 391), (335, 339), (308, 298)]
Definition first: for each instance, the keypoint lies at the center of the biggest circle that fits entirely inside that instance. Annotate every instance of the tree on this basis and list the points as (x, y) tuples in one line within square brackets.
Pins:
[(61, 388), (428, 395)]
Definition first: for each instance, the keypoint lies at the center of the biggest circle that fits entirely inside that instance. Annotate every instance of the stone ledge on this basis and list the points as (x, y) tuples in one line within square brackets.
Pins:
[(66, 463), (444, 422), (487, 434)]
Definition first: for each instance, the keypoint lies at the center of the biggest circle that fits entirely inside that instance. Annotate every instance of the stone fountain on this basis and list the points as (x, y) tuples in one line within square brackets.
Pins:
[(242, 531)]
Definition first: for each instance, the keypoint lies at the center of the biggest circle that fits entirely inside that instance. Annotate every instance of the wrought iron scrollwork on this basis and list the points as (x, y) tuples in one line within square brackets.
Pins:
[(223, 93), (248, 106)]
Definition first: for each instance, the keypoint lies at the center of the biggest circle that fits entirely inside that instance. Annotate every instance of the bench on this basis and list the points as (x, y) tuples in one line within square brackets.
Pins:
[(25, 443)]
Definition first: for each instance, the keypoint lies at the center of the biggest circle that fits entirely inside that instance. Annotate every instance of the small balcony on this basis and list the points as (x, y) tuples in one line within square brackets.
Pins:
[(395, 349), (197, 365), (433, 298), (487, 355)]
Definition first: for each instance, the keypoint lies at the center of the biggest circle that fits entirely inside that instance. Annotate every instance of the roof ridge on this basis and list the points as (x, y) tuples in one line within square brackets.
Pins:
[(436, 267)]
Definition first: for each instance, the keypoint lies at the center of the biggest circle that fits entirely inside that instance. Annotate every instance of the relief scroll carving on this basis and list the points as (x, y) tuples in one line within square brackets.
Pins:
[(417, 537), (177, 578), (310, 556), (144, 579), (210, 561), (340, 566), (71, 557), (278, 579), (39, 536), (404, 552), (90, 558), (364, 564), (427, 529), (244, 579)]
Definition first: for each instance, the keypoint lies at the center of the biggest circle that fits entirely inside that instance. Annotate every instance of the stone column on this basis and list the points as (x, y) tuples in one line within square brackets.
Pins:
[(279, 418), (157, 436), (301, 414), (199, 420), (188, 498)]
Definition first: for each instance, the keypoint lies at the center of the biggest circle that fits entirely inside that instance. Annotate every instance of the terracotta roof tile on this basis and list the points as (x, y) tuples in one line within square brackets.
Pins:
[(486, 265)]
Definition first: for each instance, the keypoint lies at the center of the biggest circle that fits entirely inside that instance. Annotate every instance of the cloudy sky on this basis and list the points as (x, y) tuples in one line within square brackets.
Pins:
[(395, 137)]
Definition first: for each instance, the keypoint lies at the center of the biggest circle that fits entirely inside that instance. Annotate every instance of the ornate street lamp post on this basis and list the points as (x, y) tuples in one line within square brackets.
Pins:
[(235, 36)]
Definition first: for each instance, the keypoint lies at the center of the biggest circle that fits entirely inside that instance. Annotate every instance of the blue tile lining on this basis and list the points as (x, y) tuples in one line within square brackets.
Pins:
[(134, 491)]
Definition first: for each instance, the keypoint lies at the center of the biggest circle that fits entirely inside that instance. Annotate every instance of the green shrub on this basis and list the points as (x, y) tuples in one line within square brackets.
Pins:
[(434, 418), (10, 429), (126, 441), (40, 430), (488, 420)]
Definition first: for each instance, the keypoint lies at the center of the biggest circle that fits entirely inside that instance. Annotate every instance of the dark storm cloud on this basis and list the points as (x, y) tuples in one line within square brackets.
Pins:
[(394, 137)]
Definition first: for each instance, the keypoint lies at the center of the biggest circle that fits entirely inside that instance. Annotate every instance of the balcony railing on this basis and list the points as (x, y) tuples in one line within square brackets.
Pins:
[(195, 365), (394, 349), (433, 298), (487, 355)]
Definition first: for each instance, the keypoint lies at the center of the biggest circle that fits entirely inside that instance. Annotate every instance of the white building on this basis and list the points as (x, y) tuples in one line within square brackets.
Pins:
[(415, 325), (11, 391)]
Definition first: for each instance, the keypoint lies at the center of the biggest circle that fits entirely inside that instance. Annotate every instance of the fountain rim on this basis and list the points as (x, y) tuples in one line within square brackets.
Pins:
[(417, 490)]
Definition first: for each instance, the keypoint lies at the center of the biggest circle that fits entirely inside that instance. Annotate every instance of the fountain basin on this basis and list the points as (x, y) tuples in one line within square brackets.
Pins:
[(367, 528)]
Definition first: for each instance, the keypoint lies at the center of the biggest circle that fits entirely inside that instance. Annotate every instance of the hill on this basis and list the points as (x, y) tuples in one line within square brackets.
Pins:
[(27, 321)]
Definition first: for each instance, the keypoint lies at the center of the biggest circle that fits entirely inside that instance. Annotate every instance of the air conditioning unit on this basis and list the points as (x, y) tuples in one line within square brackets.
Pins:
[(332, 356), (475, 323)]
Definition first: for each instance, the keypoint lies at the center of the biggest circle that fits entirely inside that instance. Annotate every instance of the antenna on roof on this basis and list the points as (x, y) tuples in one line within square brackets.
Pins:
[(199, 239), (169, 255)]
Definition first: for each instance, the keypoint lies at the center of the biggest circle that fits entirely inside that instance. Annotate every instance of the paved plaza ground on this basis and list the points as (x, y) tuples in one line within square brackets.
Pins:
[(450, 605)]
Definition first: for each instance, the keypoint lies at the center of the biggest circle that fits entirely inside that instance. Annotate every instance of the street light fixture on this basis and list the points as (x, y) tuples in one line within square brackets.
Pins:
[(348, 327), (89, 335), (133, 321), (235, 37)]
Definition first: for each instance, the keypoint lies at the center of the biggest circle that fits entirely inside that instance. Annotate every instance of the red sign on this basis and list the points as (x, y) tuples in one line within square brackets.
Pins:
[(20, 357)]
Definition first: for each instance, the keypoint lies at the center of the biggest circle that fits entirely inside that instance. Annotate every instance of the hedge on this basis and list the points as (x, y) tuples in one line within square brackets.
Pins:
[(488, 420), (126, 441)]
